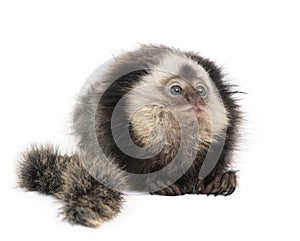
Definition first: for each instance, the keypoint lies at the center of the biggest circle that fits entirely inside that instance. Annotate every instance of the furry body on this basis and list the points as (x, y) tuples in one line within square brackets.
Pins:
[(91, 182)]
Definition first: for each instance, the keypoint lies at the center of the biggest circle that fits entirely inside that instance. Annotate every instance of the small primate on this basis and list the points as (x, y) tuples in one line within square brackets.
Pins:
[(156, 119)]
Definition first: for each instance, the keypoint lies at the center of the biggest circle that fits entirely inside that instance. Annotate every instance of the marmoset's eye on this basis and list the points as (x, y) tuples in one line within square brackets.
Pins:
[(175, 90), (201, 91)]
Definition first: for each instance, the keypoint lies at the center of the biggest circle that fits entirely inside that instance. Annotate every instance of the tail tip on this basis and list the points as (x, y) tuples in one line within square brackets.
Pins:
[(35, 168)]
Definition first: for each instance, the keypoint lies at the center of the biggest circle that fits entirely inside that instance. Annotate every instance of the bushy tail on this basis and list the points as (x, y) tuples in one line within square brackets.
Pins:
[(86, 201)]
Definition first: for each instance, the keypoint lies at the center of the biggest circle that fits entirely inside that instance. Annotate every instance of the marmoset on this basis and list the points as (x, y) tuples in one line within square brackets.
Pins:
[(155, 120)]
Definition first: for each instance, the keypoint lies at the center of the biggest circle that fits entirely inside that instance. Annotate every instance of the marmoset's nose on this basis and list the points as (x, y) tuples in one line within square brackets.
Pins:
[(194, 99)]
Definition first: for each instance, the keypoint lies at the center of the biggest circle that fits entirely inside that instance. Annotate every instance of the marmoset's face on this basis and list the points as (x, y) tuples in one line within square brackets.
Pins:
[(185, 98), (181, 86)]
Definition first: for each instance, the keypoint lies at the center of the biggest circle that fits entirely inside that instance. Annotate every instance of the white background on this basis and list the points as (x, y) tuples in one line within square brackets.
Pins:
[(49, 48)]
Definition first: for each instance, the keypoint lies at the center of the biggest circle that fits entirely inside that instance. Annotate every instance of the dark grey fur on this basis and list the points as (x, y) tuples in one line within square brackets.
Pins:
[(188, 72)]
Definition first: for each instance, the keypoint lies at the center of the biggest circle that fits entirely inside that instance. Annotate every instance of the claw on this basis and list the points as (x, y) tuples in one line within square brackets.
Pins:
[(230, 191), (199, 186), (221, 192), (210, 187)]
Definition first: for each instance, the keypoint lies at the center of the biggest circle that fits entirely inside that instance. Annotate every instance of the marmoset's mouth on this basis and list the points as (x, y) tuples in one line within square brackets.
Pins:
[(191, 110)]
